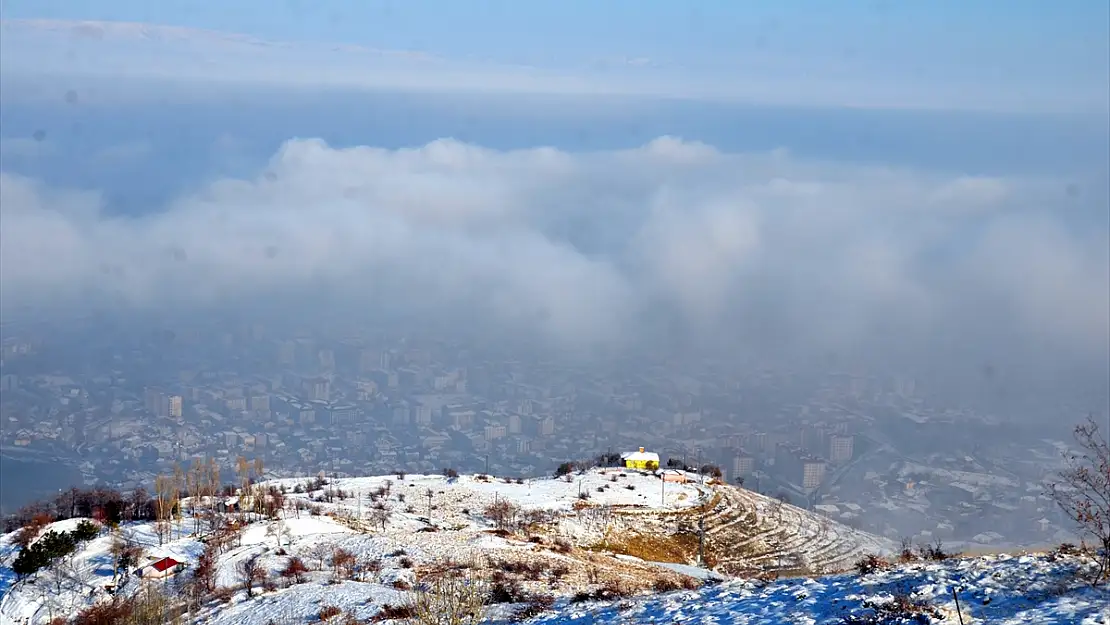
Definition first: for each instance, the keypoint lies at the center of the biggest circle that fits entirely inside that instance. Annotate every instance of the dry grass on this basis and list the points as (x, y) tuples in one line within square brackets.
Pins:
[(677, 548)]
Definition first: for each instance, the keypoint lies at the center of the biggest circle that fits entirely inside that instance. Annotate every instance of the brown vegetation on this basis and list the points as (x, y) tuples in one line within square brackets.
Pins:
[(294, 571), (679, 547), (871, 563)]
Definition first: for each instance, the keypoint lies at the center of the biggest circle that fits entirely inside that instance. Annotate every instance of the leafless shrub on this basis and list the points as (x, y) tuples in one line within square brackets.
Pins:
[(871, 563), (394, 613), (449, 600), (1063, 550), (115, 611), (906, 553), (901, 608), (29, 532), (612, 589), (504, 514), (342, 563), (535, 606), (935, 551), (319, 554), (507, 590)]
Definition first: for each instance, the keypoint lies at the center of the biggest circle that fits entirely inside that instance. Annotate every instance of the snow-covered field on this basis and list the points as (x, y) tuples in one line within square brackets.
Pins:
[(994, 590)]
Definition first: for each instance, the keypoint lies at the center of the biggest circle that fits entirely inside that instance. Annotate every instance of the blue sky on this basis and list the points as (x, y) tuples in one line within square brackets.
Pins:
[(1015, 50)]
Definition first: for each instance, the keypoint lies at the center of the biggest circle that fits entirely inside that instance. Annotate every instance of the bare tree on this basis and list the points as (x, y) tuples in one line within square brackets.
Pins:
[(774, 507), (151, 606), (368, 568), (243, 469), (212, 476), (343, 563), (320, 552), (1083, 491), (252, 573), (280, 531), (81, 578), (137, 504), (294, 571), (58, 573), (205, 570), (194, 484), (126, 553), (257, 469), (178, 487), (380, 516), (449, 600), (503, 513), (164, 495)]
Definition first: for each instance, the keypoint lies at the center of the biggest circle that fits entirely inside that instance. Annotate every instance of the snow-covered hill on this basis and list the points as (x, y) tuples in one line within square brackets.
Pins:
[(604, 528)]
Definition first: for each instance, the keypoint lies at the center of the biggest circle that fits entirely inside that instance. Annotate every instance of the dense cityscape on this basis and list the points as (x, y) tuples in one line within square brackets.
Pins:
[(839, 444)]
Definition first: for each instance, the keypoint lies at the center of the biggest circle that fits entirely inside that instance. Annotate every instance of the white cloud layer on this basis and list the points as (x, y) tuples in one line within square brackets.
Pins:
[(579, 249)]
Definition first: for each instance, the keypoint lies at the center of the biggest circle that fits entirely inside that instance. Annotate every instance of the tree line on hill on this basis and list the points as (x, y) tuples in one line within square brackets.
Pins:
[(613, 460)]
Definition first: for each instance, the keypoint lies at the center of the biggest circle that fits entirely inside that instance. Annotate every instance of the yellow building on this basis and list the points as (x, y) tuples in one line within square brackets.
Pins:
[(640, 460)]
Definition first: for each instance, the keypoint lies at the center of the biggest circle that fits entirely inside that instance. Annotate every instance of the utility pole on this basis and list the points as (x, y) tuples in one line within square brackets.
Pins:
[(487, 464), (663, 490), (701, 538)]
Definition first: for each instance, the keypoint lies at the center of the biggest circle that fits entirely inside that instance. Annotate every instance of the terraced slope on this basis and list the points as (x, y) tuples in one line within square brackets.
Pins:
[(744, 534)]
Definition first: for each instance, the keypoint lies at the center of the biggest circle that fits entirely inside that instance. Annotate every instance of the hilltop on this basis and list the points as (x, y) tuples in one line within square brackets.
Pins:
[(600, 532)]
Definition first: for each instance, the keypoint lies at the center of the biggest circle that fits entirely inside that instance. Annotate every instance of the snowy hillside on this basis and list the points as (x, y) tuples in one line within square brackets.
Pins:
[(366, 542), (999, 590)]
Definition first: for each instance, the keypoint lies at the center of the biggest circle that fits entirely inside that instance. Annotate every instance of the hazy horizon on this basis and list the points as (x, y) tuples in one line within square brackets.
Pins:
[(871, 199)]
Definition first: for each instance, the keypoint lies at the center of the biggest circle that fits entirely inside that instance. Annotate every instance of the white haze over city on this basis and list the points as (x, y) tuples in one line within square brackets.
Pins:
[(768, 251)]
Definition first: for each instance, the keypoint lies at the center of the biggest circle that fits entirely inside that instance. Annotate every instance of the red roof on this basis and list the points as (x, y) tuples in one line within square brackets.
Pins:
[(164, 563)]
